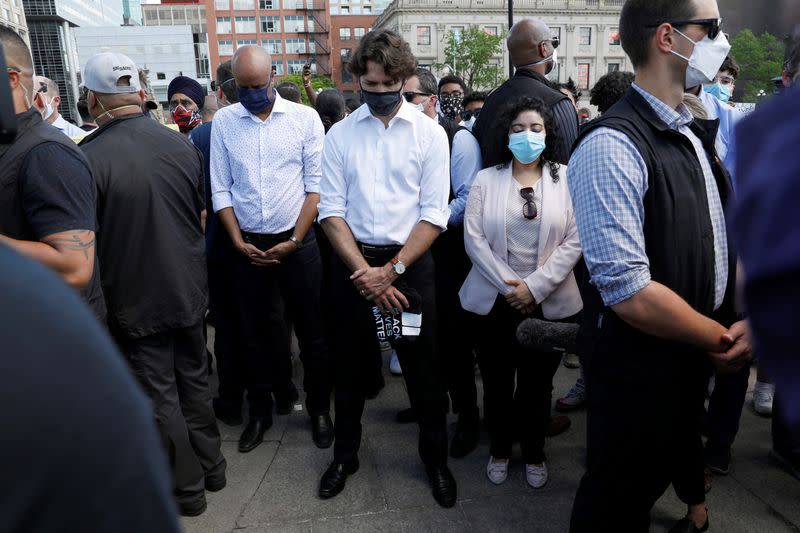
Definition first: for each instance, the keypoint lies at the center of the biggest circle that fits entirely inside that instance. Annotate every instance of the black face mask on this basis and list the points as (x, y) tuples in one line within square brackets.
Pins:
[(382, 104)]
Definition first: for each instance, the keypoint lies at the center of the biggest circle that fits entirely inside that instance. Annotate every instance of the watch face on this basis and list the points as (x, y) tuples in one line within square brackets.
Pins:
[(400, 268)]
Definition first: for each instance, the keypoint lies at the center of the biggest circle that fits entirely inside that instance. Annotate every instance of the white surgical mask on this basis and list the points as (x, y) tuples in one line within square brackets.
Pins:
[(421, 106), (553, 58), (705, 60)]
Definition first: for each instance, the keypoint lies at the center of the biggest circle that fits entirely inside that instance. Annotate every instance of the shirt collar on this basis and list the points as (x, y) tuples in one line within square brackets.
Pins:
[(406, 112), (280, 106), (674, 118)]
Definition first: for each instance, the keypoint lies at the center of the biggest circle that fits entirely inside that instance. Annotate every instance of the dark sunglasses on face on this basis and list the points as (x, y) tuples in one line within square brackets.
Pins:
[(409, 95), (714, 25), (529, 210), (555, 41), (467, 114)]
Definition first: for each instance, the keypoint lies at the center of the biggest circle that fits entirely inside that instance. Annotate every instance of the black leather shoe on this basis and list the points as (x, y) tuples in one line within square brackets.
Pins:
[(334, 478), (193, 508), (253, 434), (406, 416), (226, 415), (322, 430), (684, 525), (216, 483), (284, 402), (465, 438), (443, 485)]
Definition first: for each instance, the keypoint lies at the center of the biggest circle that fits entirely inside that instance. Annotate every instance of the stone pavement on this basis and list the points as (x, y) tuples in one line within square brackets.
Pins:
[(274, 487)]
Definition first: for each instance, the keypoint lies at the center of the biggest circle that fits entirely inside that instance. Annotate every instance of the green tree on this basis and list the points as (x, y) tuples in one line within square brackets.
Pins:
[(317, 82), (468, 54), (760, 60)]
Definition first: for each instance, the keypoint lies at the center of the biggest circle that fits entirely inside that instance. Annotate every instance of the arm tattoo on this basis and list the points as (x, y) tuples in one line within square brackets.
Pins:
[(80, 240)]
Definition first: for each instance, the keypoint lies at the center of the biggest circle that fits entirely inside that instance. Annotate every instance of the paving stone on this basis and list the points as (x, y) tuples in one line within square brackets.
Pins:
[(406, 521)]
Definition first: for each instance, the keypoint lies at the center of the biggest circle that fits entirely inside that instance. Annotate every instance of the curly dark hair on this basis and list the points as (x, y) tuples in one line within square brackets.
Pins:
[(474, 96), (389, 50), (552, 138), (572, 87), (610, 88), (330, 106)]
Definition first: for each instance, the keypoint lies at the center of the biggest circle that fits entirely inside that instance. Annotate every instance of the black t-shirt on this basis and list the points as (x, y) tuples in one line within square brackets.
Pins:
[(150, 242), (58, 195), (80, 451)]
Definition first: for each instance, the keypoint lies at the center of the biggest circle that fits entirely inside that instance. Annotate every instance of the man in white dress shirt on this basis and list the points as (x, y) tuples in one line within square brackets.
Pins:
[(47, 101), (384, 189), (265, 172)]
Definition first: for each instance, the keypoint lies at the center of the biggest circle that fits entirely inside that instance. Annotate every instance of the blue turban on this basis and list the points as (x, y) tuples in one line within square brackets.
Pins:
[(189, 87)]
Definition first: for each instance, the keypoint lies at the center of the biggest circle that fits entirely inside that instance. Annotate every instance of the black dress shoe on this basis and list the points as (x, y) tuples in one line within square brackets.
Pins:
[(466, 437), (684, 525), (226, 415), (216, 483), (406, 416), (253, 434), (322, 430), (193, 508), (284, 402), (334, 478), (443, 485)]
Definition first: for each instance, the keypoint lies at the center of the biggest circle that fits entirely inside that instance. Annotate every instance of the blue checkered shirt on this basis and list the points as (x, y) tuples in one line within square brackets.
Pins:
[(608, 180)]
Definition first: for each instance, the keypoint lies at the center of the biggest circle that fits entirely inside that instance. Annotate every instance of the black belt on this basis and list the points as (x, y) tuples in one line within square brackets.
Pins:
[(261, 237), (370, 251)]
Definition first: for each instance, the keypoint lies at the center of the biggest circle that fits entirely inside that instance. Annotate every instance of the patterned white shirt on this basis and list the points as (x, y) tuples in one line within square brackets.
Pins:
[(264, 169)]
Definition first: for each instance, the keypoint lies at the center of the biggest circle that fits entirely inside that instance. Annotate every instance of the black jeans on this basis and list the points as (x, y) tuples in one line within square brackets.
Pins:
[(172, 368), (517, 383), (455, 344), (725, 407), (266, 295), (355, 344)]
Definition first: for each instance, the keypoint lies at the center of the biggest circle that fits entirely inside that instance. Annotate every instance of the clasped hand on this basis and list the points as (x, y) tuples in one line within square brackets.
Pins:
[(520, 297), (375, 284), (740, 349), (269, 257)]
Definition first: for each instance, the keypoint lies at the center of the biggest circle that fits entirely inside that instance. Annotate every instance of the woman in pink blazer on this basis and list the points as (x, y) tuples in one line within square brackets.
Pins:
[(520, 232)]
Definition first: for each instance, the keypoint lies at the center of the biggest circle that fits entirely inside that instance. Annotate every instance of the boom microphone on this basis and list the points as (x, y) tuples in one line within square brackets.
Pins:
[(545, 336)]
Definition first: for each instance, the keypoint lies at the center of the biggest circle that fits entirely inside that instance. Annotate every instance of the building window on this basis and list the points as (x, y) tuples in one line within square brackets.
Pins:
[(245, 24), (223, 24), (245, 42), (269, 4), (273, 46), (295, 46), (271, 24), (295, 66), (584, 36), (344, 53), (225, 48), (345, 10), (344, 34), (347, 76), (490, 30), (244, 5), (583, 76), (310, 24), (458, 31), (278, 68), (423, 35), (359, 34), (556, 32), (161, 76), (293, 24), (222, 4), (368, 10), (334, 10), (613, 67), (613, 37)]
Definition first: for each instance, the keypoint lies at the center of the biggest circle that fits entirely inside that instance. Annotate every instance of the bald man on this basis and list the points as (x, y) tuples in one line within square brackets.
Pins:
[(47, 99), (47, 209), (532, 48), (265, 173)]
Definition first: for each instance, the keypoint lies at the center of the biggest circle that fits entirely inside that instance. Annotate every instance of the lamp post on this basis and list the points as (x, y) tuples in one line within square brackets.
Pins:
[(510, 23)]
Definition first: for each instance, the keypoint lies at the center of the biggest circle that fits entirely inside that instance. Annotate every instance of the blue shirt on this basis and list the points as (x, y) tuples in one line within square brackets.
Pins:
[(465, 163), (728, 118), (201, 138), (607, 179), (265, 168)]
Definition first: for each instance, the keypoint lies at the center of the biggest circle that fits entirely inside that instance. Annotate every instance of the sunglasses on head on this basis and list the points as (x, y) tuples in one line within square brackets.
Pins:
[(467, 114), (529, 210), (409, 95), (714, 25)]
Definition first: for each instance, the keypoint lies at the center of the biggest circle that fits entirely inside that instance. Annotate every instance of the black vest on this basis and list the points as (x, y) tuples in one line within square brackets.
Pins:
[(32, 132), (679, 239)]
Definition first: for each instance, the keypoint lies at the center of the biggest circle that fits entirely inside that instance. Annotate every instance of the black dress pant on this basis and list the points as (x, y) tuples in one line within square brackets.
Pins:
[(267, 295), (517, 383), (454, 344), (355, 343), (172, 368), (643, 432), (725, 407)]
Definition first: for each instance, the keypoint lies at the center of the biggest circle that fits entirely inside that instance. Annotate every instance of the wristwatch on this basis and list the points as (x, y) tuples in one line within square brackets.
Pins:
[(398, 267), (296, 242)]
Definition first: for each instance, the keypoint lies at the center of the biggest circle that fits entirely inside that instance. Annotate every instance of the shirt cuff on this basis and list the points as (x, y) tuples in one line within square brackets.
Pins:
[(624, 286), (436, 217), (326, 211), (221, 200), (312, 183)]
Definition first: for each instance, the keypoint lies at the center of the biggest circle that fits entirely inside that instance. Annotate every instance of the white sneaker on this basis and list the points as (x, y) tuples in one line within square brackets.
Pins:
[(497, 472), (394, 365), (574, 399), (763, 395), (536, 475), (571, 360)]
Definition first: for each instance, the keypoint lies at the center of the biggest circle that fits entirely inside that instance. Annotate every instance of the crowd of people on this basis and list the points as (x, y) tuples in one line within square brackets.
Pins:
[(427, 219)]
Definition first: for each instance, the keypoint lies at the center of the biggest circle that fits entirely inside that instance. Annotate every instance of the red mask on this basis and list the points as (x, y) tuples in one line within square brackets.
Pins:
[(185, 119)]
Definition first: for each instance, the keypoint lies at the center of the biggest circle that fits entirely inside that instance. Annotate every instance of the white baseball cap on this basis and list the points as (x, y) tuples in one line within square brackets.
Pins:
[(103, 72)]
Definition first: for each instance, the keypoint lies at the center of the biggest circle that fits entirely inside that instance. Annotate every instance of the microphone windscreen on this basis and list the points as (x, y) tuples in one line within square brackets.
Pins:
[(546, 336)]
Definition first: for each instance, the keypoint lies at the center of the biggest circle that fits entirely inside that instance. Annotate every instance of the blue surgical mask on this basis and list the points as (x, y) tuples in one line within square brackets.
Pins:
[(718, 91), (255, 100), (526, 146)]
